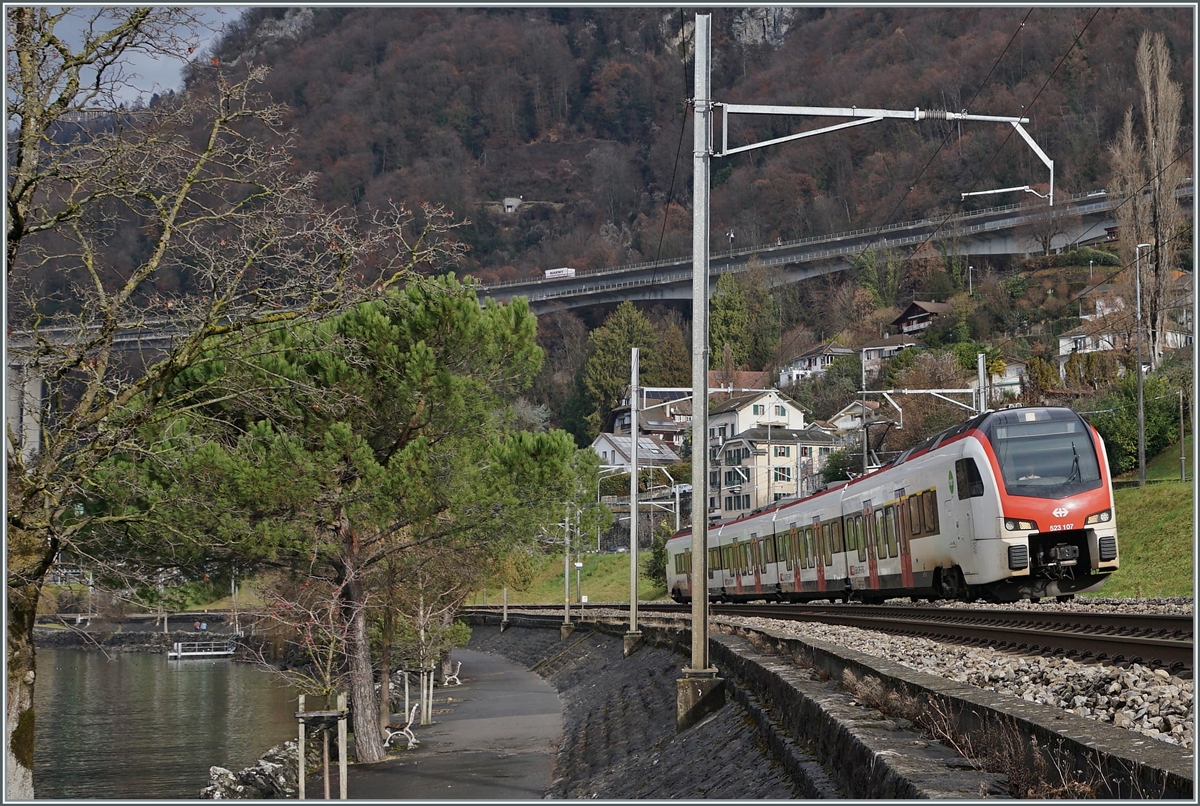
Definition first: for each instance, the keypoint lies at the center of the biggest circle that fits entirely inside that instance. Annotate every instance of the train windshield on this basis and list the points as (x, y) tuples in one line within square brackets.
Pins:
[(1044, 453)]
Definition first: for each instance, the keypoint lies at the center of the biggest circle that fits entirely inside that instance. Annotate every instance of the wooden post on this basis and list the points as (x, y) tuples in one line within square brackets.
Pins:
[(341, 704), (325, 759), (300, 753)]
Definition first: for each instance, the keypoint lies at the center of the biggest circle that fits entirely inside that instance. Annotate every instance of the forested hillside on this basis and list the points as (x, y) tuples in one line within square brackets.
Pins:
[(584, 113)]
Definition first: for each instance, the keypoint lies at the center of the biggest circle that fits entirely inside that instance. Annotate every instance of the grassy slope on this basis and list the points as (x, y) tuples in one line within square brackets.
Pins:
[(1153, 523), (1165, 466), (604, 578), (1154, 530)]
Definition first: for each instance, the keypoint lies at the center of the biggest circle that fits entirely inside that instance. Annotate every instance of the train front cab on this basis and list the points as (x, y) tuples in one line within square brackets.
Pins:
[(1055, 515)]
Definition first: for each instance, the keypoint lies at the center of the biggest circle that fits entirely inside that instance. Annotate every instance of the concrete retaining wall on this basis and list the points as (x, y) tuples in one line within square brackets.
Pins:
[(792, 688)]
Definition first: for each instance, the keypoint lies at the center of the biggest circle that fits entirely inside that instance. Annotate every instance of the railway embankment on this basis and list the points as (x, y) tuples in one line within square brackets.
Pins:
[(619, 737), (838, 722)]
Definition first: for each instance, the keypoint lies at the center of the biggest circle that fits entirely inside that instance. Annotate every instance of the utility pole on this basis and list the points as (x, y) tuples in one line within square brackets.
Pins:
[(700, 691), (633, 637)]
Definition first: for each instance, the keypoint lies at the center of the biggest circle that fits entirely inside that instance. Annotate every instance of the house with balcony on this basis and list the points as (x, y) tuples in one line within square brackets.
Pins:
[(663, 413), (742, 412), (810, 363), (920, 315), (762, 465)]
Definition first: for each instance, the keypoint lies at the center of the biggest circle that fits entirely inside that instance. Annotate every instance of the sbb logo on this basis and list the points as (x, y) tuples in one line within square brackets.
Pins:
[(1061, 512)]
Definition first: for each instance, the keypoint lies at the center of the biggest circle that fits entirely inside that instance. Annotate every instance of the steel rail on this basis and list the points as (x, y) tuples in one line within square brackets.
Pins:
[(1149, 639)]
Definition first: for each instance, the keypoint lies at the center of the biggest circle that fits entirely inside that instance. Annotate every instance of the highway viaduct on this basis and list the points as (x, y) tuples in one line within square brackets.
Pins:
[(994, 231)]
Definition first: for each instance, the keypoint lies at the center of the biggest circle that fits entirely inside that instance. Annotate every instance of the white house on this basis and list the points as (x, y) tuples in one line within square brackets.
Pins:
[(813, 362), (614, 450), (764, 464), (876, 353), (850, 417), (743, 412)]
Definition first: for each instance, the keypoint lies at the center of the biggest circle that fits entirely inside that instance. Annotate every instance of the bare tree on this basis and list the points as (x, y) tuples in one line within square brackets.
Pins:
[(1147, 171), (229, 241), (1047, 222)]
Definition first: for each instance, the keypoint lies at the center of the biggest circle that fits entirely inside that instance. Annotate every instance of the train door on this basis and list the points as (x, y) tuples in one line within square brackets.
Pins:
[(868, 536), (756, 561), (791, 548), (819, 555), (906, 572), (738, 565), (970, 487)]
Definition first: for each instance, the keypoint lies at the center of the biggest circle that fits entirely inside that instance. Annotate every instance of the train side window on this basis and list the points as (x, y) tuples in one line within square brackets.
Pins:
[(827, 545), (792, 549), (836, 528), (807, 544), (966, 475), (930, 507), (891, 525), (860, 538), (769, 550), (914, 516)]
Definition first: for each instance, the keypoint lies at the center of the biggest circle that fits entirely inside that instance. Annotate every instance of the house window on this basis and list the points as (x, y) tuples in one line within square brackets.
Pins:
[(714, 478), (759, 409), (783, 450), (804, 450), (780, 411), (721, 432), (783, 474)]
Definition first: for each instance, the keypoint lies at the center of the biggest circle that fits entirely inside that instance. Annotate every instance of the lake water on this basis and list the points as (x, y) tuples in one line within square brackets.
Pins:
[(135, 725)]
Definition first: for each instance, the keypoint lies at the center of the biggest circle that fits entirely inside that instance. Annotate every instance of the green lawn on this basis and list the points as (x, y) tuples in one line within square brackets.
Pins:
[(1165, 466), (1154, 533), (603, 578)]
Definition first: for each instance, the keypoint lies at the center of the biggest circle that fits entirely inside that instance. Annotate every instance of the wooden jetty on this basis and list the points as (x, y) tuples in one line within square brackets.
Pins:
[(201, 649)]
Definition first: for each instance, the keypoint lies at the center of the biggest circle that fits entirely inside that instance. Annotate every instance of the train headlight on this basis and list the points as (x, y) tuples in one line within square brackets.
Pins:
[(1014, 525), (1100, 517)]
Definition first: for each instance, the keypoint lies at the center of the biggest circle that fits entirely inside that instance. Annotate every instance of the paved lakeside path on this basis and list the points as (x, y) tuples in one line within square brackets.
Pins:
[(495, 737)]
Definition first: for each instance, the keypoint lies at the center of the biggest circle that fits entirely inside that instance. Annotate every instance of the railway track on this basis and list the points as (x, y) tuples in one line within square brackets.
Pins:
[(1149, 639)]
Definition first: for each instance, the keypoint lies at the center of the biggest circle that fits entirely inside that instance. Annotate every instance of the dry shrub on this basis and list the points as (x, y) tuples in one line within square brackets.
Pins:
[(1031, 773)]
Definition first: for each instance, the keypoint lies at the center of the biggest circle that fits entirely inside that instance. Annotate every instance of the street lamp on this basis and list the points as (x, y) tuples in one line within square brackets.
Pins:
[(970, 281), (1141, 414)]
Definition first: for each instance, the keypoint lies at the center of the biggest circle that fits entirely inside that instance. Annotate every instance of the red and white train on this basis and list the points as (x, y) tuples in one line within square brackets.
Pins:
[(1011, 504)]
